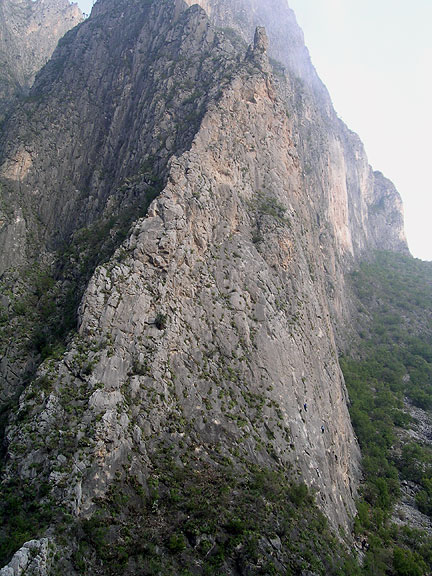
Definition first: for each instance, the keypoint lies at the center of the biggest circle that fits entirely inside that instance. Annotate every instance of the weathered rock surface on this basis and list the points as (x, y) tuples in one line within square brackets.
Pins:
[(33, 559), (121, 97), (124, 102), (29, 32), (216, 319), (354, 187), (224, 257)]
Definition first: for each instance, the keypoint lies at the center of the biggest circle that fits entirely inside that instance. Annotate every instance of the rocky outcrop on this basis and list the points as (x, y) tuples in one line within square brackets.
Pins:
[(29, 32), (406, 512), (286, 38), (209, 328), (211, 331), (33, 559)]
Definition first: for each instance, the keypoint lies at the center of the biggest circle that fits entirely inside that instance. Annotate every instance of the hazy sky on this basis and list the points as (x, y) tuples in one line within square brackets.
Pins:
[(375, 57), (85, 5)]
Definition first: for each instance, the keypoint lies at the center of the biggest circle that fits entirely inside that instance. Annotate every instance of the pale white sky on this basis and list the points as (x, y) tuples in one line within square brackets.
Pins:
[(85, 5), (375, 57)]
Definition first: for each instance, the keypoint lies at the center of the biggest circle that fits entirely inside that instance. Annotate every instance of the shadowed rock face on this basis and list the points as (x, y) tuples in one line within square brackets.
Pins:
[(29, 32), (215, 321), (111, 100)]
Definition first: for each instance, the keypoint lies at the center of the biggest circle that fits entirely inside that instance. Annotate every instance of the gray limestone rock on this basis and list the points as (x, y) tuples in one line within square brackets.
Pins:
[(29, 32), (32, 559), (219, 310)]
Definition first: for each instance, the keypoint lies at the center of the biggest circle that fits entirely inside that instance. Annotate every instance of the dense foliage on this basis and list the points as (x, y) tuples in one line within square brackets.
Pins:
[(208, 519), (199, 519), (215, 518), (390, 371)]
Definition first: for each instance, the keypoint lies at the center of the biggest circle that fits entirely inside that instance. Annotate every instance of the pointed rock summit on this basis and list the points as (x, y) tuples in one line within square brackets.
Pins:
[(261, 42), (258, 50)]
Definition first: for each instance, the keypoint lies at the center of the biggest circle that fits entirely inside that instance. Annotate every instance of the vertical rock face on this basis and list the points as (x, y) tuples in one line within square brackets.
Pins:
[(213, 307), (333, 159), (213, 326), (29, 32)]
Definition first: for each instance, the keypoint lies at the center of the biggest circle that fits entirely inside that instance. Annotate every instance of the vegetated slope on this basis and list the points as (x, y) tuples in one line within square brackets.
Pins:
[(390, 385), (29, 32)]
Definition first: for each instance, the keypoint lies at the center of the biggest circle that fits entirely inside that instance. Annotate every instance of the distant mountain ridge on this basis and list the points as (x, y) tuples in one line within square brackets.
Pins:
[(29, 32)]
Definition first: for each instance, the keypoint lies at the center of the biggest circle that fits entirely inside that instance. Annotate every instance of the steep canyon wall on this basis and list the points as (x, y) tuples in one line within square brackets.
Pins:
[(218, 314)]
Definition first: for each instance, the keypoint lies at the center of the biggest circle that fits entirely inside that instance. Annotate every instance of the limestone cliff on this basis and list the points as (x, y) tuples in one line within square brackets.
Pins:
[(347, 179), (207, 331), (29, 32), (356, 209)]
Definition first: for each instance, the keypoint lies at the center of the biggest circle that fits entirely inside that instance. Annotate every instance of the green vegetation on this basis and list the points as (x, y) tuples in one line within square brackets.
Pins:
[(266, 204), (392, 362), (210, 519), (213, 517), (24, 515), (160, 321)]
